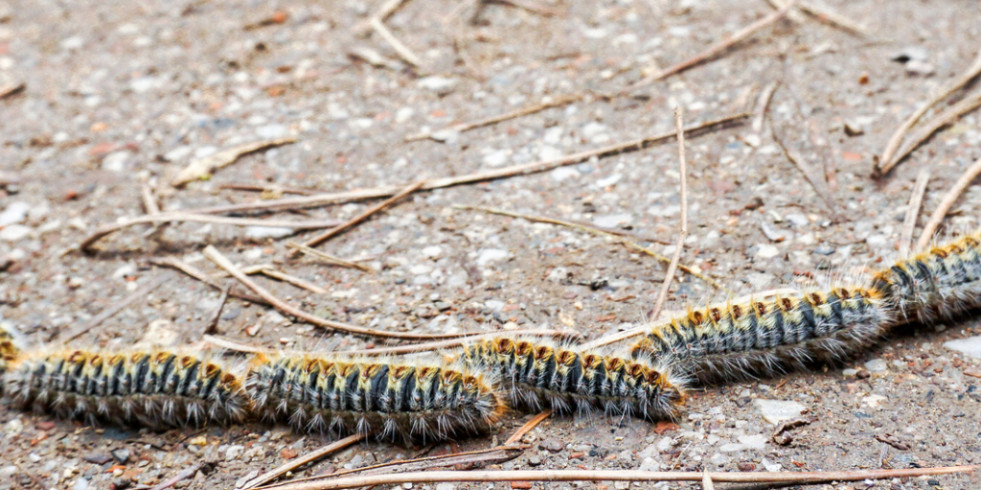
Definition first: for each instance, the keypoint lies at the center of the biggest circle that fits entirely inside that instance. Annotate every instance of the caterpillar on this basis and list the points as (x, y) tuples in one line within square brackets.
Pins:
[(938, 284), (762, 338), (394, 401), (538, 375), (9, 347), (144, 388)]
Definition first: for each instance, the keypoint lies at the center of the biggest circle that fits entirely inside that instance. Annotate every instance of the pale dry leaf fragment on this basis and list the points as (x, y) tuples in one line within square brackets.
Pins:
[(202, 168)]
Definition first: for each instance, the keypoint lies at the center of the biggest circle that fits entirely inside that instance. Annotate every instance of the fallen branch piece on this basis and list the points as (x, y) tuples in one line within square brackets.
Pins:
[(318, 200), (306, 458), (172, 216), (202, 168), (327, 235), (912, 212), (196, 273), (924, 132), (526, 428), (326, 257), (221, 261), (524, 111), (792, 477), (826, 15), (945, 204)]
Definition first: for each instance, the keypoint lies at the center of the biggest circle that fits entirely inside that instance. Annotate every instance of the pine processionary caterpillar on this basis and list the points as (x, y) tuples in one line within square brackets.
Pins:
[(152, 388), (762, 338), (9, 348), (537, 376), (938, 284), (393, 401)]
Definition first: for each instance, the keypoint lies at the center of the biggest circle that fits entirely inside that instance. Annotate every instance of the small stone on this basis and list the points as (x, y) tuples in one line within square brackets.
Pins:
[(233, 452), (489, 255), (766, 251), (121, 455), (97, 458), (853, 128), (432, 252), (272, 131), (553, 445), (14, 213), (876, 366), (824, 250), (116, 161), (849, 372), (535, 460), (970, 346), (755, 441), (613, 220), (260, 232), (198, 441), (14, 233), (776, 411), (14, 427), (81, 484), (440, 85), (496, 158)]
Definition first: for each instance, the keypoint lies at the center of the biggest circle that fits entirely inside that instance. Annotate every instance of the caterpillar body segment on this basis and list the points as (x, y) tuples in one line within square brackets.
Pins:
[(938, 284), (10, 347), (537, 375), (141, 388), (763, 338), (393, 401)]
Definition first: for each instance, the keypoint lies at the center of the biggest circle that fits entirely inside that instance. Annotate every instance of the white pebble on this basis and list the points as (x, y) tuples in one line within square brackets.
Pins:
[(766, 251), (776, 411), (14, 213), (489, 255), (13, 233), (970, 346)]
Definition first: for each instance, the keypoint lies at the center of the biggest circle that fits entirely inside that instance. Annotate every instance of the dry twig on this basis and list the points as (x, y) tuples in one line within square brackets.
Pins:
[(826, 15), (212, 325), (221, 261), (296, 281), (382, 14), (683, 232), (811, 175), (202, 168), (924, 132), (11, 89), (182, 475), (715, 49), (888, 160), (196, 273), (326, 257), (487, 121), (300, 461), (912, 212), (627, 242), (172, 216), (401, 49), (526, 428), (945, 204), (327, 235), (790, 477), (318, 200)]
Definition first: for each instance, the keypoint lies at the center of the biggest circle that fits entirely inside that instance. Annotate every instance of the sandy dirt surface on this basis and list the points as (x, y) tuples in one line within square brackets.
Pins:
[(122, 95)]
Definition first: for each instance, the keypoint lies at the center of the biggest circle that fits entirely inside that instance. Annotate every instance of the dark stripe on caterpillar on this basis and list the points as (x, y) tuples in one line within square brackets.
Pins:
[(537, 376)]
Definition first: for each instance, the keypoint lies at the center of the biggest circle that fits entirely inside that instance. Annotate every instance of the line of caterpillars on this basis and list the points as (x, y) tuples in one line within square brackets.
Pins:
[(467, 392)]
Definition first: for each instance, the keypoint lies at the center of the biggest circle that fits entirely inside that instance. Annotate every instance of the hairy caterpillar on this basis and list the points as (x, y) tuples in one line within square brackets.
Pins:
[(538, 376), (393, 401), (760, 338), (9, 348), (152, 388), (937, 284)]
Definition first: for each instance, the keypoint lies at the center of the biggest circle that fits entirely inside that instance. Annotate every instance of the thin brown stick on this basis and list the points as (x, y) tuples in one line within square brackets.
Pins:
[(220, 260), (762, 105), (117, 307), (945, 204), (623, 240), (198, 274), (203, 168), (827, 16), (318, 200), (707, 481), (11, 89), (487, 121), (182, 475), (620, 475), (326, 257), (382, 14), (300, 461), (327, 235), (149, 202), (296, 281), (172, 216), (526, 428), (912, 212), (924, 132), (533, 7), (683, 232), (267, 188), (715, 49), (401, 49), (811, 175), (888, 159), (212, 325), (482, 456)]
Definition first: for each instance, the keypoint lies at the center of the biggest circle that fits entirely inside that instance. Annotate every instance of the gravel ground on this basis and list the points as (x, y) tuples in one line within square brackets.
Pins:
[(123, 95)]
